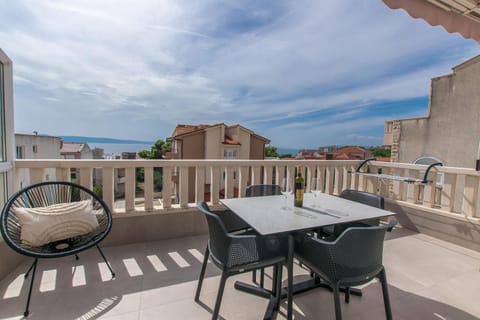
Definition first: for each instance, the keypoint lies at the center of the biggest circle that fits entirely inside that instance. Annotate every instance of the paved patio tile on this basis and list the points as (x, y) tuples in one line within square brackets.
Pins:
[(428, 279)]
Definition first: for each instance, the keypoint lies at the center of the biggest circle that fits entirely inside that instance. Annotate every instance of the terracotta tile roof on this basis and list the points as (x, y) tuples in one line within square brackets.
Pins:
[(186, 128), (182, 129), (71, 147), (351, 150), (230, 141), (384, 159), (341, 156)]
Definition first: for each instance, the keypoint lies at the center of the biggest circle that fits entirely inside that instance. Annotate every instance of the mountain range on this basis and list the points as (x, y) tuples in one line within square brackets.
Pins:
[(102, 140)]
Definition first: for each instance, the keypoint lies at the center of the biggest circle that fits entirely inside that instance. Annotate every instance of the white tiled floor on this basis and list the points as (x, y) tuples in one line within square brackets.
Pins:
[(428, 280)]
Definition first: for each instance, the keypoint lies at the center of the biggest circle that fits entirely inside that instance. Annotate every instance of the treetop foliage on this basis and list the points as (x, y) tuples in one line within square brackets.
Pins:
[(157, 151)]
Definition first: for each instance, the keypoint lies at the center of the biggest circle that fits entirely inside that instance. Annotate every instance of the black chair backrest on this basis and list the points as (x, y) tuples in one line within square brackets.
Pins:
[(219, 239), (370, 199), (49, 193), (358, 251), (261, 190)]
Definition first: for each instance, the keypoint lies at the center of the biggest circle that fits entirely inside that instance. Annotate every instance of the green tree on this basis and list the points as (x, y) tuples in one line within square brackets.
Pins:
[(286, 155), (271, 151), (157, 151), (98, 190), (380, 152)]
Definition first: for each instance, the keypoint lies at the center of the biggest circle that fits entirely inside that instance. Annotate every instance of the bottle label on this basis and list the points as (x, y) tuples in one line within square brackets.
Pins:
[(299, 197)]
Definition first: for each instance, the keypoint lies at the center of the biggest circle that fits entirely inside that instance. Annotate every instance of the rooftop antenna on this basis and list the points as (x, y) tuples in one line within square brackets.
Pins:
[(35, 132)]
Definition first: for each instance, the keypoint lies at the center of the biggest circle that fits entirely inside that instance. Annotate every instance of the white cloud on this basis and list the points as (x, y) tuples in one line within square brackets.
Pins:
[(136, 69)]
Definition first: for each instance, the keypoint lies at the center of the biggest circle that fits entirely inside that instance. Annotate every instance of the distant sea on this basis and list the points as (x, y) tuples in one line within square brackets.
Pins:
[(291, 151), (113, 147), (118, 148)]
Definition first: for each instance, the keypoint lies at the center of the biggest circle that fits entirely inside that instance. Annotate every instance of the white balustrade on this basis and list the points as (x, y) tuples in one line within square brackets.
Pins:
[(185, 182)]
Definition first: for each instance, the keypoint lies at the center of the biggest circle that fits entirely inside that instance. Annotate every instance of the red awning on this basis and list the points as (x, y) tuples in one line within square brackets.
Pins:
[(462, 16)]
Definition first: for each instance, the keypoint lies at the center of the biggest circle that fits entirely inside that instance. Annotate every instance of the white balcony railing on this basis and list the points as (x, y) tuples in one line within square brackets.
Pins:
[(185, 182)]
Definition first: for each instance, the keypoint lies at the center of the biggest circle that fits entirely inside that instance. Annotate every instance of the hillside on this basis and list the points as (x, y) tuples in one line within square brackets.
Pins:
[(102, 140)]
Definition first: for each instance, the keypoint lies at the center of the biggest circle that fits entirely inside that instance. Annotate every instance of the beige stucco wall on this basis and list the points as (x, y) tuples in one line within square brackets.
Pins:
[(244, 139), (256, 148), (193, 146), (213, 147), (86, 153), (451, 131), (47, 147), (233, 132)]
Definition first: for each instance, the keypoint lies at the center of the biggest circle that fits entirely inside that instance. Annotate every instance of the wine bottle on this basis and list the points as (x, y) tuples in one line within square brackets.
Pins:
[(299, 188)]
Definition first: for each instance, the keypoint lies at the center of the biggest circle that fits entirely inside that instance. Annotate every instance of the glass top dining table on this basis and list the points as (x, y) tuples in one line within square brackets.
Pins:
[(271, 215)]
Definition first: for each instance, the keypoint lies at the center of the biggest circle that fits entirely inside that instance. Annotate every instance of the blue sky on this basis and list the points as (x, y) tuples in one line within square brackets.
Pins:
[(301, 73)]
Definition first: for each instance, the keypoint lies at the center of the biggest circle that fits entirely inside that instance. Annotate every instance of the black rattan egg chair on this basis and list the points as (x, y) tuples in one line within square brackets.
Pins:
[(46, 195)]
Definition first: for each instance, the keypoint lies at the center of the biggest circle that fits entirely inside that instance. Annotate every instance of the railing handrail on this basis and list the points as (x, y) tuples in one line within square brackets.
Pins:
[(455, 190), (38, 163)]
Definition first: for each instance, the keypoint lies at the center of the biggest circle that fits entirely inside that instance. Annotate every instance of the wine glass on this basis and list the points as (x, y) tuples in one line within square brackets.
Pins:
[(286, 192), (315, 190)]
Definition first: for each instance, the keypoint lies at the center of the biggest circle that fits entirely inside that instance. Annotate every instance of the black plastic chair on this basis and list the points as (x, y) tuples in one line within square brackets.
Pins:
[(46, 194), (367, 198), (354, 258), (262, 190), (235, 254), (232, 222)]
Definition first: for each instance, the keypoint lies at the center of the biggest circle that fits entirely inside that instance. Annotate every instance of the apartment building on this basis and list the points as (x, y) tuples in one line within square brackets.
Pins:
[(450, 132), (217, 141), (351, 153), (35, 146), (334, 153), (74, 150)]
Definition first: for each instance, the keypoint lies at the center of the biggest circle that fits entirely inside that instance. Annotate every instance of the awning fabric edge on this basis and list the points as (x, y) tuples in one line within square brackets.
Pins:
[(435, 16)]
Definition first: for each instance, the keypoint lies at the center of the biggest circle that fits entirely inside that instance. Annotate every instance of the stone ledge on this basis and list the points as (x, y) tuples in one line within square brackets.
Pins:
[(450, 227)]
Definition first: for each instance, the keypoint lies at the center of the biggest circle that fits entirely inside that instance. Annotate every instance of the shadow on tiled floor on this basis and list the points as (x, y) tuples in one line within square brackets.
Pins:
[(157, 280)]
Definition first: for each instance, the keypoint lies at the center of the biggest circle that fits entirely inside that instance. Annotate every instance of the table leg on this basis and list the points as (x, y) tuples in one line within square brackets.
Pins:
[(291, 247), (273, 296)]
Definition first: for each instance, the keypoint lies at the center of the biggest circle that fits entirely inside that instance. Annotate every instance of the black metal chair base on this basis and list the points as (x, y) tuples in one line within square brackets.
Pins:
[(33, 268), (263, 293), (314, 283), (297, 289)]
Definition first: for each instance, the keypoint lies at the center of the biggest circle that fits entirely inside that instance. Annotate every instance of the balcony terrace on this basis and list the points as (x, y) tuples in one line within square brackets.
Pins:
[(156, 246)]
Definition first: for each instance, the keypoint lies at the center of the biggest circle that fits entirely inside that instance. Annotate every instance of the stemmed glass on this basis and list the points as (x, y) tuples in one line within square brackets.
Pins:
[(315, 192), (286, 192)]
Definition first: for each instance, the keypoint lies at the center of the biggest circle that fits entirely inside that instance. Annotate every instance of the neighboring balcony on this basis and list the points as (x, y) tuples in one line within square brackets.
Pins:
[(158, 238)]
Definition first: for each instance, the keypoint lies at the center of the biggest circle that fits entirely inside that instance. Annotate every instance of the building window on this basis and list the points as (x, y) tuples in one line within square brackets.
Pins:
[(229, 154), (35, 148), (20, 153)]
